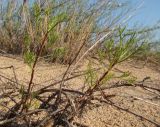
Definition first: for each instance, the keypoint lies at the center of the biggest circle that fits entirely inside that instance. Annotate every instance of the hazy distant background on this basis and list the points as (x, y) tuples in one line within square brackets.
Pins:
[(147, 15)]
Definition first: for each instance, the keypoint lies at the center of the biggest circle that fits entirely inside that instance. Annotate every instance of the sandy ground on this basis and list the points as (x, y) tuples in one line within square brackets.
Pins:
[(147, 105)]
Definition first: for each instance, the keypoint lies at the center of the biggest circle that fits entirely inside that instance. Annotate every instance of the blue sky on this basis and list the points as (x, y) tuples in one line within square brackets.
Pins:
[(148, 14)]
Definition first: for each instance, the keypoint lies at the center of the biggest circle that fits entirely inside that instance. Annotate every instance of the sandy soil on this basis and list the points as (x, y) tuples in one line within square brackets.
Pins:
[(103, 115)]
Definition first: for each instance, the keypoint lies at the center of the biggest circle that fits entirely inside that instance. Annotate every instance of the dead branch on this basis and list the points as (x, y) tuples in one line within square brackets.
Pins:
[(128, 111)]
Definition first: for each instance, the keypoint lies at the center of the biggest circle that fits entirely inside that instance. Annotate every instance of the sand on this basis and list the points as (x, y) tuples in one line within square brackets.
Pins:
[(134, 99)]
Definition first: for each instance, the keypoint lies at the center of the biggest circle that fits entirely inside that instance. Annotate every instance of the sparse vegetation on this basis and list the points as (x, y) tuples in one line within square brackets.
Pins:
[(66, 32)]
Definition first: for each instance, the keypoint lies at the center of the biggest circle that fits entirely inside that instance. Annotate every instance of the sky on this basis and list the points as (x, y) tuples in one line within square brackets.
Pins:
[(148, 14)]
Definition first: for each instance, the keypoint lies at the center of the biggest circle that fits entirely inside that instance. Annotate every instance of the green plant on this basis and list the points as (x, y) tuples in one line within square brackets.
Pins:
[(64, 30), (29, 58), (125, 48), (118, 50), (70, 25), (58, 54), (91, 75)]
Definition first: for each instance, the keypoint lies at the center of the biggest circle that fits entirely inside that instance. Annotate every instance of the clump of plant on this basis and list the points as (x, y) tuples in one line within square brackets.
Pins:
[(23, 26), (117, 49), (55, 103)]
